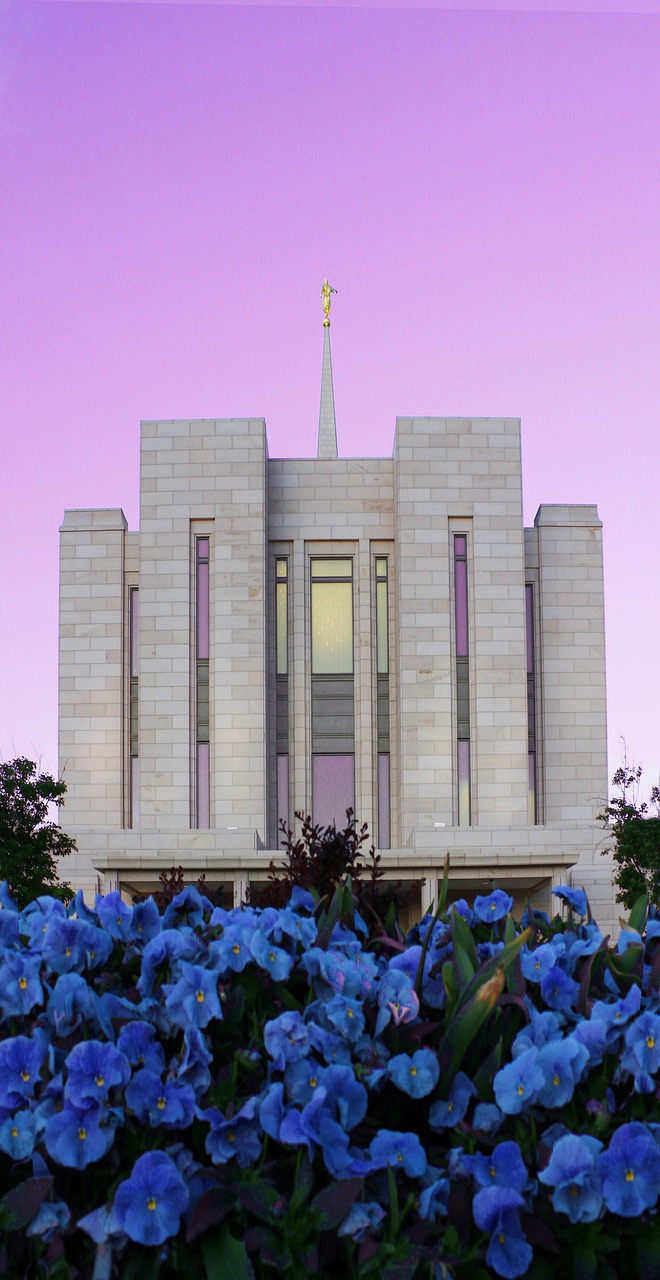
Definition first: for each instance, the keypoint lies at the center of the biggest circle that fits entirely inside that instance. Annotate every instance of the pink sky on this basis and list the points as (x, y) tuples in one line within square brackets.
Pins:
[(483, 189)]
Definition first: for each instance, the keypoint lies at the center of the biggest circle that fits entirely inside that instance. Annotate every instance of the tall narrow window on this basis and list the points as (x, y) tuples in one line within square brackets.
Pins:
[(532, 776), (203, 750), (333, 702), (282, 692), (462, 679), (134, 651), (383, 700)]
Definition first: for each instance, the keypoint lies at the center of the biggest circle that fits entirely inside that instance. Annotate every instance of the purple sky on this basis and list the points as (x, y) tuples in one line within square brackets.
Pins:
[(483, 189)]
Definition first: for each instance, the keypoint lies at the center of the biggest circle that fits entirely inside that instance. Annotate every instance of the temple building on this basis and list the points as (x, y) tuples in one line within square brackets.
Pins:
[(323, 633)]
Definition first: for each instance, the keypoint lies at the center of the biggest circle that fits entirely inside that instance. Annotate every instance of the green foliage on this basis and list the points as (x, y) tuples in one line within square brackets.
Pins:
[(636, 838), (29, 842)]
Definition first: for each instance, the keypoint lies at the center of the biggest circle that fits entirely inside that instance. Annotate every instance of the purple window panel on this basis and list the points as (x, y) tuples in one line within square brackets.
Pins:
[(282, 794), (203, 610), (134, 623), (529, 620), (383, 801), (333, 789), (460, 586), (203, 786), (531, 788), (463, 783)]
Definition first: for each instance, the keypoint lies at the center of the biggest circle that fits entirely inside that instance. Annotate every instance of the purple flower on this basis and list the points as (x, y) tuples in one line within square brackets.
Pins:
[(93, 1069), (400, 1151), (495, 1210), (444, 1115), (493, 906), (76, 1138), (149, 1204), (573, 1173), (630, 1171), (417, 1075)]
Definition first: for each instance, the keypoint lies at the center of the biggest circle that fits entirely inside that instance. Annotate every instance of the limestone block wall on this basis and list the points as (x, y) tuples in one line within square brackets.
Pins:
[(460, 475), (212, 472), (90, 675)]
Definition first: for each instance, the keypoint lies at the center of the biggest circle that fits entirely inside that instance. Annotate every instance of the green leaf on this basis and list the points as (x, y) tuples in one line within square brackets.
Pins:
[(466, 959), (22, 1203), (258, 1198), (451, 986), (333, 1203), (637, 917), (226, 1258)]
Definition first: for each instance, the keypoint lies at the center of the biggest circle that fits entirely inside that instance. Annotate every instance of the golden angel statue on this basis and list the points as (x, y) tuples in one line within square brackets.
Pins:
[(326, 291)]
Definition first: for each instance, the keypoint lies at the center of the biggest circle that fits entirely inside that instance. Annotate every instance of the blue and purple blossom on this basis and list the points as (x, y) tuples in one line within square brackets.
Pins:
[(148, 1205)]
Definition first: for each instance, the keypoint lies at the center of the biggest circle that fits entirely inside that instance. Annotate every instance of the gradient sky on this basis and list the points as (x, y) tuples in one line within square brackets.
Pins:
[(481, 186)]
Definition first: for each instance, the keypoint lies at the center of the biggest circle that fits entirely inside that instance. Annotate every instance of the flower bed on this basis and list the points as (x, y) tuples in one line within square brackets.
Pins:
[(254, 1093)]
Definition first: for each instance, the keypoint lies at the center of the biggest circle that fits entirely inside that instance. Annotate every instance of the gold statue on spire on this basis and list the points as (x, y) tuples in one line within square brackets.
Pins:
[(326, 291)]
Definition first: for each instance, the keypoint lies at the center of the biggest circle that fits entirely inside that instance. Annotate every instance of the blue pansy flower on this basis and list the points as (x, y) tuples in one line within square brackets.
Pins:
[(148, 1205), (576, 898), (237, 1138), (114, 914), (642, 1039), (487, 1117), (302, 1078), (572, 1172), (193, 1001), (20, 987), (18, 1134), (417, 1075), (434, 1200), (137, 1040), (72, 1002), (20, 1068), (93, 1069), (463, 909), (302, 929), (444, 1115), (593, 1035), (346, 1017), (96, 946), (275, 960), (558, 990), (616, 1014), (170, 1104), (76, 1138), (287, 1039), (188, 907), (63, 946), (399, 1150), (562, 1064), (7, 902), (52, 1218), (301, 900), (161, 957), (346, 1098), (537, 964), (541, 1029), (363, 1218), (233, 950), (496, 1209), (492, 906), (630, 1171), (517, 1085), (504, 1167), (397, 1000), (146, 922), (272, 1109), (193, 1067)]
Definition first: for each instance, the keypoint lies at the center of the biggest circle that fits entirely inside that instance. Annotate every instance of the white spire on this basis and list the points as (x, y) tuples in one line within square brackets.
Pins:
[(327, 446)]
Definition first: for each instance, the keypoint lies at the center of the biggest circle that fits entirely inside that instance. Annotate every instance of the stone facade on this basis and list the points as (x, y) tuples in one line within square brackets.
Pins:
[(447, 479)]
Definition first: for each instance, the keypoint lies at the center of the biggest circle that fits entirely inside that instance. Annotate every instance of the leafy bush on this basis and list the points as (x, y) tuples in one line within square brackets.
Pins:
[(275, 1092)]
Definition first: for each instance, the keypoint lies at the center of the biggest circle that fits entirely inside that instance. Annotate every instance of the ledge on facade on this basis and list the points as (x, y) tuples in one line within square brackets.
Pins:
[(94, 519), (557, 513)]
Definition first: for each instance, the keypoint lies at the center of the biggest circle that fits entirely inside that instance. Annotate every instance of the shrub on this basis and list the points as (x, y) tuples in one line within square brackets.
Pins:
[(276, 1092)]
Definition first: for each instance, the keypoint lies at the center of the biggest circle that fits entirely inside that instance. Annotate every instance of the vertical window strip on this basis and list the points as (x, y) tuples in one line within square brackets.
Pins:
[(532, 773), (383, 701), (281, 694), (333, 694), (462, 679), (202, 720), (133, 730)]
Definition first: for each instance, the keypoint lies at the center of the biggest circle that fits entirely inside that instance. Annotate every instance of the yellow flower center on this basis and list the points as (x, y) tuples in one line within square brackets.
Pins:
[(313, 1082), (161, 1104), (151, 1202), (231, 1136), (100, 1080), (650, 1041), (271, 955), (200, 997), (555, 1081), (349, 1013), (450, 1106), (538, 964), (501, 1237), (139, 928), (118, 919), (492, 906), (574, 1190), (68, 951), (92, 955), (413, 1071), (521, 1090), (492, 1171), (14, 1133), (236, 948), (25, 1076), (82, 1134), (22, 982), (399, 1157), (630, 1175)]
